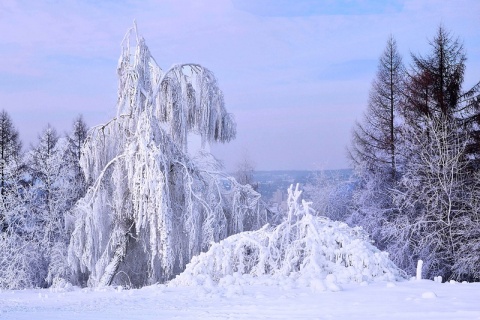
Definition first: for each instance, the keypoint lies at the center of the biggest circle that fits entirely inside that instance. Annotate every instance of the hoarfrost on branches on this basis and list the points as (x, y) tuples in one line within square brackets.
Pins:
[(304, 248), (153, 203)]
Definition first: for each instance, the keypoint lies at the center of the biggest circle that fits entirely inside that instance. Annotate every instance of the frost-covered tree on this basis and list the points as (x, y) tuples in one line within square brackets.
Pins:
[(53, 190), (375, 146), (10, 146), (331, 194), (21, 259), (418, 199), (436, 190), (153, 203), (244, 171), (75, 140), (45, 162), (434, 201), (45, 201), (467, 263)]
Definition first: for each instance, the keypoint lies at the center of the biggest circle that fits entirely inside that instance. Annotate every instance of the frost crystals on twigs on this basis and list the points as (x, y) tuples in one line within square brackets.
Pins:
[(304, 249), (153, 204)]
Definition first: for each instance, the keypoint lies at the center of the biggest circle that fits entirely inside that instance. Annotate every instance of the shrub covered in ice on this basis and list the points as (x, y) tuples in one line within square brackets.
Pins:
[(303, 250)]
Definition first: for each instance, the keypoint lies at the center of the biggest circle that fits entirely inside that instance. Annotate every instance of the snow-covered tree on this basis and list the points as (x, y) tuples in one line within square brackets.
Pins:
[(435, 193), (48, 193), (434, 201), (21, 258), (45, 163), (153, 202), (244, 171), (9, 162), (467, 262), (54, 187), (22, 263), (75, 140), (331, 194)]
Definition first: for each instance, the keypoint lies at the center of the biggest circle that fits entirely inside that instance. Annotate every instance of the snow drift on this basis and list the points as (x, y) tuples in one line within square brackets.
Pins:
[(306, 250)]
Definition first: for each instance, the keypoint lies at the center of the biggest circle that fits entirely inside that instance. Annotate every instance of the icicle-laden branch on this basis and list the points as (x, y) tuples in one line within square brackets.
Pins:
[(186, 97), (151, 206)]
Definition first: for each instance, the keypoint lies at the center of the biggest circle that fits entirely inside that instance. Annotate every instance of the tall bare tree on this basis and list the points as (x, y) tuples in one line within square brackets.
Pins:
[(434, 200), (434, 195), (376, 138), (374, 149), (434, 84)]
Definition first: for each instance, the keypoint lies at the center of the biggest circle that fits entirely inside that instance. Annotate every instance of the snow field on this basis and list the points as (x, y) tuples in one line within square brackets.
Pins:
[(379, 300)]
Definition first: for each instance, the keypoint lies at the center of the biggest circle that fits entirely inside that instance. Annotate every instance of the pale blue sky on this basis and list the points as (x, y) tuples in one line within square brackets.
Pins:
[(296, 74)]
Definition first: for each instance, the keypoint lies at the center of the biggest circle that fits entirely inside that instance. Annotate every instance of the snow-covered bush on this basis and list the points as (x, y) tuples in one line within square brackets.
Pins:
[(304, 248), (154, 203)]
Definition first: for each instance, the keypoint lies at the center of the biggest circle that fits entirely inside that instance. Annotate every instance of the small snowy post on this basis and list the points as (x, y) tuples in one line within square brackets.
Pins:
[(419, 269)]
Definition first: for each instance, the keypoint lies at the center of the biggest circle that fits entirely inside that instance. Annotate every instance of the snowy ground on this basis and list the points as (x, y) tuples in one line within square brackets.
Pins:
[(383, 300)]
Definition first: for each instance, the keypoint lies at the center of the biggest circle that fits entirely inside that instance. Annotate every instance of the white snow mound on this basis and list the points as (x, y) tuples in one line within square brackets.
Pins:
[(304, 250)]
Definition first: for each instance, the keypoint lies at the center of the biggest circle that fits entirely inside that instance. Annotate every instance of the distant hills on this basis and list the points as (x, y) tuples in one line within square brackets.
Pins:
[(271, 181)]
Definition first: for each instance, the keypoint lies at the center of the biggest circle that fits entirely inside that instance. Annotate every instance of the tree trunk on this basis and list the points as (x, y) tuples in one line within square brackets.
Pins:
[(112, 267)]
